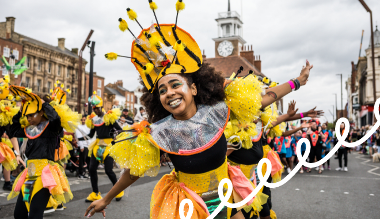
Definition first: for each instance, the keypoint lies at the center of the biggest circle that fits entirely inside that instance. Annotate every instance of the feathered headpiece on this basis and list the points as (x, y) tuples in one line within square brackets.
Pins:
[(95, 100), (58, 94), (31, 103), (161, 48)]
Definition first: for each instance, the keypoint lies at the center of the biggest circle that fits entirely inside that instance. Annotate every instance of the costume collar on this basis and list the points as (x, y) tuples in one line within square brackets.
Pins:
[(33, 132), (98, 121), (192, 136)]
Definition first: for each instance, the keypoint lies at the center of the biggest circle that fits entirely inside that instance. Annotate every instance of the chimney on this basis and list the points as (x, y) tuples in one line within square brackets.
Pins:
[(119, 83), (9, 27), (258, 63), (204, 55), (61, 43), (75, 51), (247, 53)]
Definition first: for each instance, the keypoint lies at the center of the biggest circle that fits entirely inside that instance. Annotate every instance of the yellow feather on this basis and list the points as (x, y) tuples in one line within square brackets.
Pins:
[(180, 5), (123, 25), (153, 5), (111, 56), (148, 68), (131, 14), (179, 46)]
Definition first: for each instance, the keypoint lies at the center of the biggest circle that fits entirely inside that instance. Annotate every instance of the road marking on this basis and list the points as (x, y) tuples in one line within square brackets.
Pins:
[(341, 177), (346, 193), (322, 191), (371, 195), (4, 194), (297, 189), (366, 160)]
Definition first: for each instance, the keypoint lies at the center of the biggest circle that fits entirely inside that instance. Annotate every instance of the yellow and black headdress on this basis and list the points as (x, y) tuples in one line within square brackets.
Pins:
[(161, 49), (58, 94), (31, 103), (95, 100)]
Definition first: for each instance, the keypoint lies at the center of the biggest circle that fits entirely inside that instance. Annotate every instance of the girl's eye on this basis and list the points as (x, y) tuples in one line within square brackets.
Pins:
[(176, 85), (162, 91)]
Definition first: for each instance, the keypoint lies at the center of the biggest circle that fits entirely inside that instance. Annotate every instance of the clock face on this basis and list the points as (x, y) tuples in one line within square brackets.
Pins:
[(225, 48)]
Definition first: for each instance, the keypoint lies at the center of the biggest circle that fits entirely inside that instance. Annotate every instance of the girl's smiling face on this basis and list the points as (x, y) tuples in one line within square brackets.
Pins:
[(177, 96)]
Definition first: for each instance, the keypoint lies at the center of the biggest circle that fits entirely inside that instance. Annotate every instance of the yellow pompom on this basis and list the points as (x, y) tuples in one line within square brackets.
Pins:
[(28, 90), (131, 14), (6, 78), (6, 86), (273, 84), (111, 56), (180, 5), (51, 90), (153, 5), (148, 68), (94, 92), (62, 86), (266, 80), (18, 98), (10, 97), (154, 40), (179, 46), (68, 91), (55, 85), (57, 82), (123, 25)]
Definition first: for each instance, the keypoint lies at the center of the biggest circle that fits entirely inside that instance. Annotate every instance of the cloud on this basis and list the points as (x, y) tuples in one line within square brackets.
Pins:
[(283, 33)]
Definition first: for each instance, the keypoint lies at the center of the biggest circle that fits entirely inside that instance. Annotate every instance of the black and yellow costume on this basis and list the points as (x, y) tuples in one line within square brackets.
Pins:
[(99, 149)]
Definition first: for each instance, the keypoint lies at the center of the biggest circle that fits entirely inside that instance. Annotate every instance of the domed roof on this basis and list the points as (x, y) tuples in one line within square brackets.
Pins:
[(376, 38)]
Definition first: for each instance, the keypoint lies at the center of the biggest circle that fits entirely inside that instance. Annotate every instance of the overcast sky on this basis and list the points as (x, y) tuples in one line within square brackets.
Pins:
[(283, 33)]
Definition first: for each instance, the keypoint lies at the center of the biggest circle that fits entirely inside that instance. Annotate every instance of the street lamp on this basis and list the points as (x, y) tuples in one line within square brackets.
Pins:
[(341, 91), (373, 51), (91, 77), (336, 107)]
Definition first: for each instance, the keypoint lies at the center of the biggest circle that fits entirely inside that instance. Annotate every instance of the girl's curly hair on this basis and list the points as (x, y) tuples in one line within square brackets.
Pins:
[(209, 85)]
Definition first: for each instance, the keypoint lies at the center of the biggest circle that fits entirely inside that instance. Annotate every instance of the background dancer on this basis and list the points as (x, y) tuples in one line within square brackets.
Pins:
[(316, 138), (81, 133)]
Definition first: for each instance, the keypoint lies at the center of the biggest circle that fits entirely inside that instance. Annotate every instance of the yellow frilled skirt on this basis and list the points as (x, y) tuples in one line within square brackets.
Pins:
[(276, 176), (177, 186), (62, 154), (7, 157), (46, 174), (94, 146)]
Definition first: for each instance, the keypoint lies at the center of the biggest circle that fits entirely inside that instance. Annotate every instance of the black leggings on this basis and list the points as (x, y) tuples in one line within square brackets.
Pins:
[(83, 157), (315, 152), (37, 206), (326, 152), (108, 165), (342, 152)]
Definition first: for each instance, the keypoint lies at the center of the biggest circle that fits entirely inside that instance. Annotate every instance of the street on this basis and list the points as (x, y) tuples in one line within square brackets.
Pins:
[(352, 194)]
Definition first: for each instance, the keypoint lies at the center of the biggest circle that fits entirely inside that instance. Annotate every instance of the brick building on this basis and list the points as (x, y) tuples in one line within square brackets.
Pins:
[(123, 97), (46, 63)]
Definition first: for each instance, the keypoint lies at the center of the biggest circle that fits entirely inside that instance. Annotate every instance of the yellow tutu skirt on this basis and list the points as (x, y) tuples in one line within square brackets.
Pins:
[(7, 157), (276, 175), (46, 174)]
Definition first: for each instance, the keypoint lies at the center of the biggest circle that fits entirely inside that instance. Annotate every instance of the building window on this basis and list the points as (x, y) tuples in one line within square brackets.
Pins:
[(15, 53), (39, 64), (6, 52), (75, 91), (27, 81), (76, 74), (378, 59), (49, 86), (132, 98), (59, 70), (127, 105), (99, 93), (68, 72), (49, 67), (128, 97), (28, 62), (99, 83), (39, 85)]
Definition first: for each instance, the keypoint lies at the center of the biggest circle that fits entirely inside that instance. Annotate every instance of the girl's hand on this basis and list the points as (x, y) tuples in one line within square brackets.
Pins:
[(20, 161), (314, 113), (291, 112), (304, 76), (97, 206)]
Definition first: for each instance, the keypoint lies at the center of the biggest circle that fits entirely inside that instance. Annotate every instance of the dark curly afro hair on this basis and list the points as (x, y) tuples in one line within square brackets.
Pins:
[(209, 85)]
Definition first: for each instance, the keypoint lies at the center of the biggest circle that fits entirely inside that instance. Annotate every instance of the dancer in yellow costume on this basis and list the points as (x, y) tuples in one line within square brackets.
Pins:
[(43, 177), (8, 109), (189, 106), (102, 124)]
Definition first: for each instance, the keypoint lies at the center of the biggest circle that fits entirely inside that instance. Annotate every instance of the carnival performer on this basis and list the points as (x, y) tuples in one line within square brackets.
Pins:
[(81, 134), (8, 158), (328, 138), (43, 178), (103, 124), (342, 151), (316, 138), (189, 105)]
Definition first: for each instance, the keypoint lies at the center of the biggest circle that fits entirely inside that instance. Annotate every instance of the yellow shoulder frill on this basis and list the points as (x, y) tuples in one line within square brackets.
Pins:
[(236, 132), (89, 123), (269, 115), (7, 111), (277, 130), (139, 153), (69, 119), (112, 116), (24, 122), (243, 97)]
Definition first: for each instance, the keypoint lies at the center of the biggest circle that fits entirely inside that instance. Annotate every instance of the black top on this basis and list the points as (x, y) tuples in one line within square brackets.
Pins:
[(248, 156), (42, 147), (129, 120), (4, 129), (205, 161), (104, 131)]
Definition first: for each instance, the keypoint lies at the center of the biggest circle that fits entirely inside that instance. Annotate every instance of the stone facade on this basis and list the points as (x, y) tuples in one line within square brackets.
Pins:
[(47, 64), (129, 99)]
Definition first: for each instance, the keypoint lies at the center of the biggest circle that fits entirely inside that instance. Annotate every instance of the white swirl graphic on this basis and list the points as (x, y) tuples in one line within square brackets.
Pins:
[(302, 162)]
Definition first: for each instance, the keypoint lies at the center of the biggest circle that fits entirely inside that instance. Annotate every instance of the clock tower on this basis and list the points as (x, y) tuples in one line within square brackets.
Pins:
[(230, 34)]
